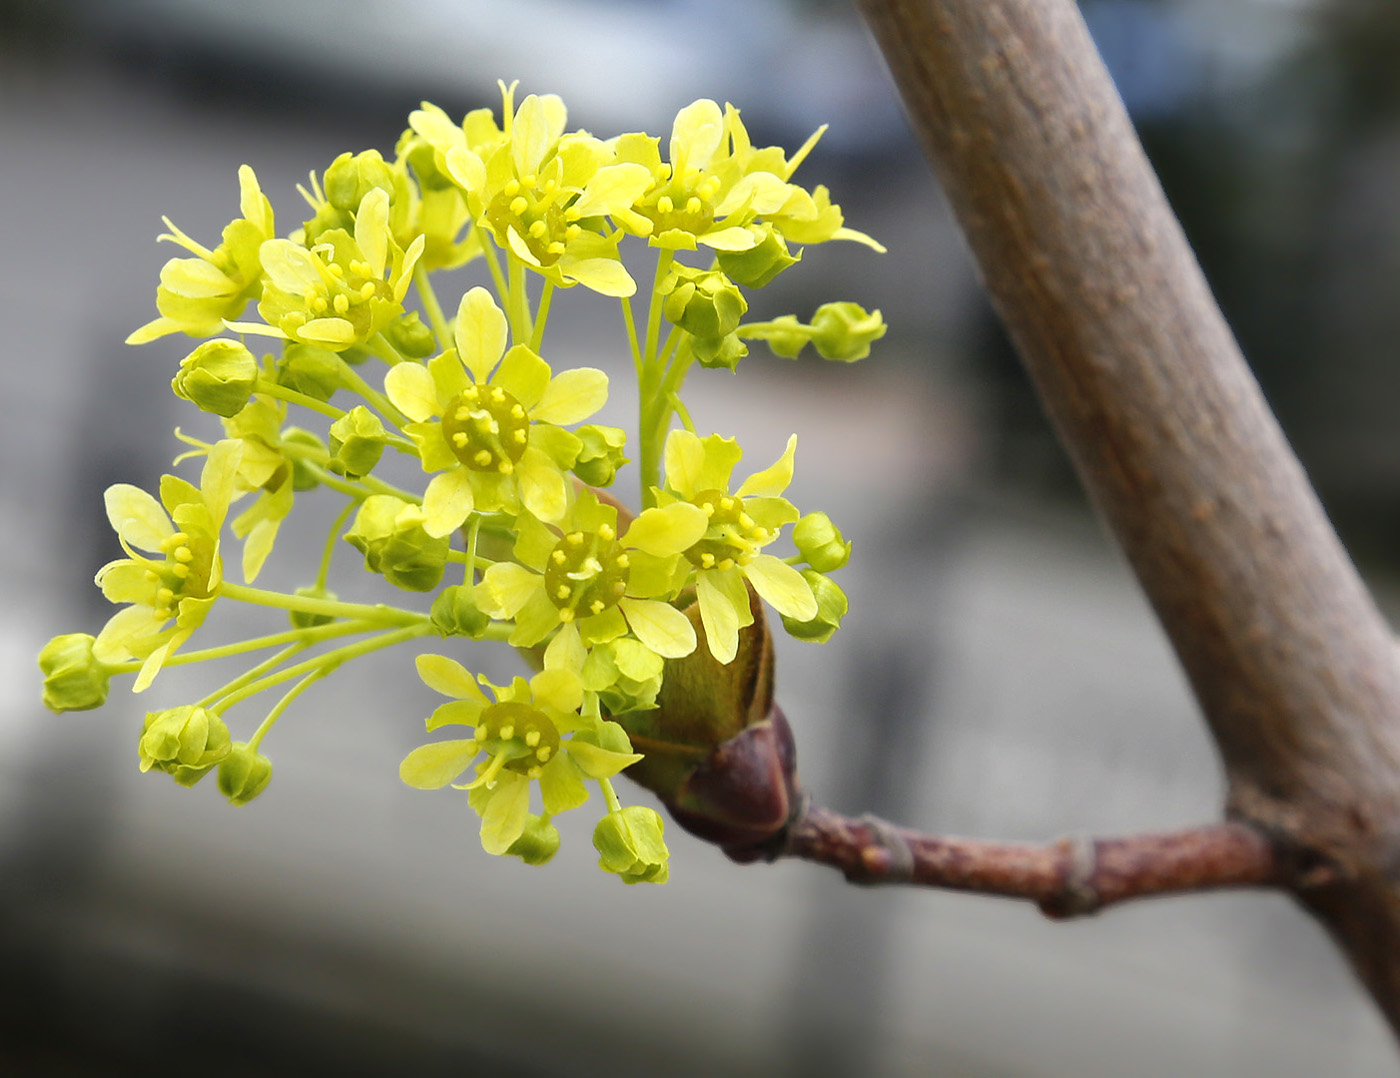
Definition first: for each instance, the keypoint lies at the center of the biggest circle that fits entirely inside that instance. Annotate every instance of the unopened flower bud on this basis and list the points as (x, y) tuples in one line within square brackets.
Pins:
[(356, 442), (300, 618), (786, 336), (723, 352), (704, 303), (389, 532), (218, 376), (601, 456), (831, 608), (758, 265), (630, 844), (243, 774), (410, 337), (625, 674), (844, 331), (455, 613), (538, 843), (819, 541), (185, 742), (352, 176), (74, 680), (309, 369), (303, 478)]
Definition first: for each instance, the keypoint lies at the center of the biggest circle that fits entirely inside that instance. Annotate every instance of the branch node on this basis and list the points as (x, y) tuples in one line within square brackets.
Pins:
[(892, 861), (1078, 897)]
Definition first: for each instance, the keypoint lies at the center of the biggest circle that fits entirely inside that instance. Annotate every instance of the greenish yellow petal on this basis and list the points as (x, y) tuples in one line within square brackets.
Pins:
[(431, 767), (669, 530), (412, 390), (571, 396), (728, 239), (696, 135), (480, 333), (542, 486), (606, 276), (447, 502), (289, 266), (524, 375), (613, 188), (773, 480), (136, 516), (505, 813), (558, 689), (535, 620), (561, 785), (466, 168), (685, 460), (660, 626), (449, 677), (457, 713), (566, 650), (538, 124), (596, 762), (337, 333), (782, 587), (505, 588), (372, 229)]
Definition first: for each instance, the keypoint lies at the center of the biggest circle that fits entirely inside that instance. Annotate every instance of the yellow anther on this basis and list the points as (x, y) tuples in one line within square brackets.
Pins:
[(745, 521), (183, 553), (529, 179), (152, 576), (664, 204), (518, 205), (534, 773), (471, 393), (555, 248), (622, 561), (566, 615), (707, 508), (692, 205), (521, 436), (558, 557), (319, 304), (357, 267), (727, 564), (563, 591), (367, 290), (550, 184), (597, 606), (538, 229), (572, 232), (532, 738), (170, 542), (575, 538), (709, 188), (517, 411), (745, 559), (707, 560), (759, 535), (462, 414), (543, 753), (164, 595), (505, 467), (507, 732), (481, 733), (181, 571), (498, 395), (336, 269), (572, 214), (341, 303), (606, 532), (726, 503), (483, 457), (512, 188), (459, 439), (662, 171)]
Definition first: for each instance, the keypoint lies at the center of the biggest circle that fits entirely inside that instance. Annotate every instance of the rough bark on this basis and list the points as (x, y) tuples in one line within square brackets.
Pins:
[(1294, 669)]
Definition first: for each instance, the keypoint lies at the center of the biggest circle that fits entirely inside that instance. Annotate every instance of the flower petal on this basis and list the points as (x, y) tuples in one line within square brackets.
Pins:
[(136, 516), (412, 390), (480, 332), (447, 502), (431, 767), (660, 626), (457, 713), (718, 616), (505, 813), (561, 785), (606, 276), (558, 689), (774, 479), (448, 677), (685, 458), (571, 396), (597, 762), (668, 530), (505, 588), (524, 375), (782, 587), (542, 486)]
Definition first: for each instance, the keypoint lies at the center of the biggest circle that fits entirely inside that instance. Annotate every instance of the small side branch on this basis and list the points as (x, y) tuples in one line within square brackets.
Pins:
[(1067, 878)]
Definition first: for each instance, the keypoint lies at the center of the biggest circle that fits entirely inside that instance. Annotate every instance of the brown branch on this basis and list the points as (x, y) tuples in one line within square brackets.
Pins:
[(1293, 667), (1068, 878)]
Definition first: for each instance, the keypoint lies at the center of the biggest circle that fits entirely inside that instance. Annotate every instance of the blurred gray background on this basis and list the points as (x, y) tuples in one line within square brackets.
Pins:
[(999, 673)]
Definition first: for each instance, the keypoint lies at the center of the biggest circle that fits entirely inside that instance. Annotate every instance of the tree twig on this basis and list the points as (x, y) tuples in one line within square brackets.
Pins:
[(1068, 878)]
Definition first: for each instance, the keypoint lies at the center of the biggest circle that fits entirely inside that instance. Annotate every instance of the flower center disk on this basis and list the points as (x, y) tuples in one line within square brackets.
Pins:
[(586, 574), (487, 429), (521, 733), (732, 536)]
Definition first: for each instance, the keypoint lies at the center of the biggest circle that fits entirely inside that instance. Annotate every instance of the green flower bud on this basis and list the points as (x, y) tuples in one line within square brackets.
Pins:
[(302, 476), (184, 742), (352, 176), (601, 456), (630, 844), (831, 608), (388, 531), (308, 369), (302, 620), (844, 331), (758, 265), (410, 337), (356, 442), (73, 678), (722, 352), (786, 336), (218, 376), (821, 543), (243, 774), (625, 674), (538, 843), (455, 613), (704, 303)]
